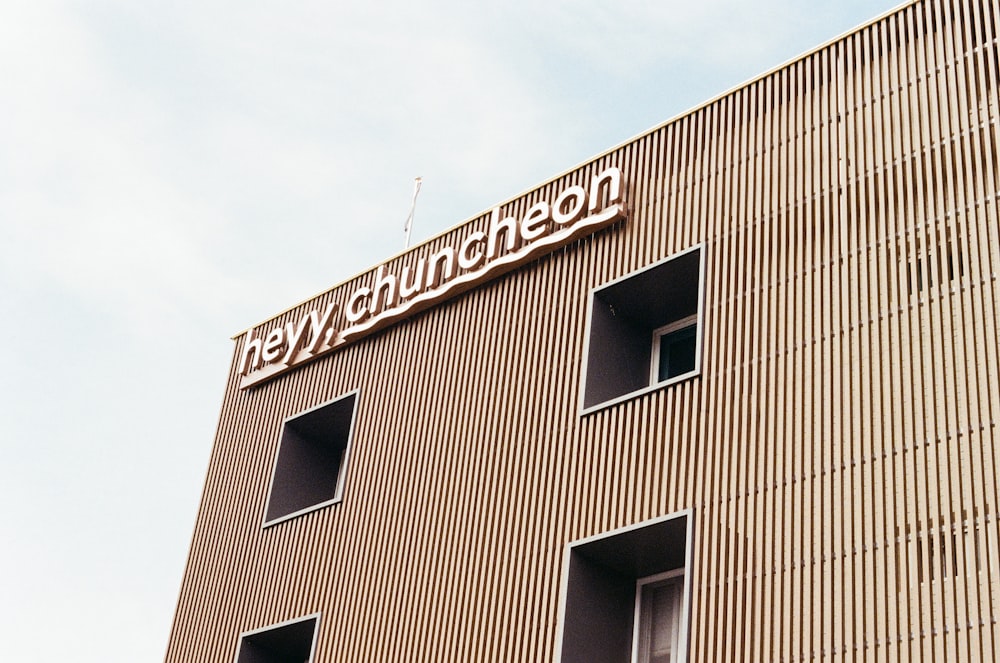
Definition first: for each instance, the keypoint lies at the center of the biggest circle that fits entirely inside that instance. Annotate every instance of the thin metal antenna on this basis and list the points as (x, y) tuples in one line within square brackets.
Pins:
[(413, 206)]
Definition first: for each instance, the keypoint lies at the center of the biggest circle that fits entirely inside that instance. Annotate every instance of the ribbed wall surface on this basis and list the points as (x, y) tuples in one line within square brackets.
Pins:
[(839, 449)]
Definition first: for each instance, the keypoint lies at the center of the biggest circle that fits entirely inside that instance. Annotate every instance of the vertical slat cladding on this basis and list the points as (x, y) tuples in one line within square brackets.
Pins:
[(980, 245), (738, 291), (989, 248), (839, 449), (887, 293), (971, 491), (928, 320), (954, 393)]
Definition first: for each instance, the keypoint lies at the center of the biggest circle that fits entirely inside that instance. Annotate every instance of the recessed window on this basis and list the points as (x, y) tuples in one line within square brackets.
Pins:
[(644, 331), (312, 458), (626, 595), (290, 642)]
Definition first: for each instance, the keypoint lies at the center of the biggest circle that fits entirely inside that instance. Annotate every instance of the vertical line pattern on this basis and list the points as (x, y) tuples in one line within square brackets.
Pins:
[(838, 449)]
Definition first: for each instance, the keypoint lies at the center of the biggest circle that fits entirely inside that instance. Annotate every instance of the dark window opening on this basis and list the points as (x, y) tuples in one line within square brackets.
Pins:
[(626, 590), (312, 460), (644, 330), (288, 643)]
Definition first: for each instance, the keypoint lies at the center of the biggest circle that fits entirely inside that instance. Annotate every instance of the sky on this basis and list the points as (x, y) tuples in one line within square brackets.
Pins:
[(172, 173)]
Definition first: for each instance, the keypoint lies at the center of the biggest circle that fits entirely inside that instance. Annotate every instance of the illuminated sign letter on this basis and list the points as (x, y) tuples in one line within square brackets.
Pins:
[(383, 283), (274, 345), (612, 178), (435, 275), (317, 326), (534, 223), (467, 261), (508, 226), (295, 336), (252, 346), (411, 285), (357, 309), (569, 205)]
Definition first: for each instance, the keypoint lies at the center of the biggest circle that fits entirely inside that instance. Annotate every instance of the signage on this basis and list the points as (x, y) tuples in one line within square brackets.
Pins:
[(507, 243)]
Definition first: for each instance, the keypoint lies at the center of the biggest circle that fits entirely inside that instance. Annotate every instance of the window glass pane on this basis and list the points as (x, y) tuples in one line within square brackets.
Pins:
[(662, 622), (677, 353), (661, 609)]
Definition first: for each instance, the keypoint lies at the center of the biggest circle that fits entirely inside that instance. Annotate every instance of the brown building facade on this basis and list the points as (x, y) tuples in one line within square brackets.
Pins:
[(728, 392)]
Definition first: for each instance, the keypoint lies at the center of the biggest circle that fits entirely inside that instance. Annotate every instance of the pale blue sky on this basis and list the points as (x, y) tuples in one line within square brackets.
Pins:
[(174, 172)]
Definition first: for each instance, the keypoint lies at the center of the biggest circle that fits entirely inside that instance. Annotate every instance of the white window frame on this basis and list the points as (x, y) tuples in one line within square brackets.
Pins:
[(658, 334), (637, 630)]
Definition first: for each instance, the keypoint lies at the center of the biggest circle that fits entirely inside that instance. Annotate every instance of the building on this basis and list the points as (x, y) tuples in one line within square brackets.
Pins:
[(727, 392)]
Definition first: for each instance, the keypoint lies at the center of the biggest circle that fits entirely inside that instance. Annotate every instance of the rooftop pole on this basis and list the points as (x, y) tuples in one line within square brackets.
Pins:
[(413, 206)]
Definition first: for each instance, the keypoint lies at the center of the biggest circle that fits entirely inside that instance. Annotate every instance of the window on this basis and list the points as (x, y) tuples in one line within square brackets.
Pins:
[(644, 331), (312, 460), (290, 642), (658, 601), (674, 349), (625, 595)]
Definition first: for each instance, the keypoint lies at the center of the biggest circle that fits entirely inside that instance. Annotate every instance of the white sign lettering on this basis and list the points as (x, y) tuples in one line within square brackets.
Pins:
[(506, 244)]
